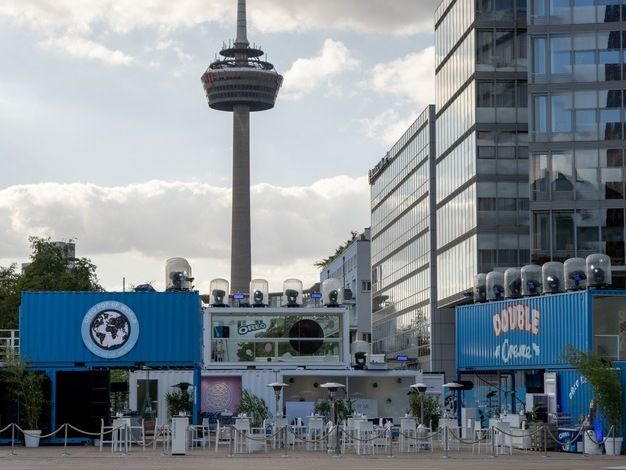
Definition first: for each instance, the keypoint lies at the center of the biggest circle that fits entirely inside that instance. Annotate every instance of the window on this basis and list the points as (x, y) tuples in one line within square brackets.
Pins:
[(366, 286), (562, 173), (539, 55), (504, 92), (540, 116), (560, 54), (563, 223), (485, 48), (561, 116)]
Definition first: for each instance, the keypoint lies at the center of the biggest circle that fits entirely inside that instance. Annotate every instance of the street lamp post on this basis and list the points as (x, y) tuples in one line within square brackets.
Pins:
[(332, 388)]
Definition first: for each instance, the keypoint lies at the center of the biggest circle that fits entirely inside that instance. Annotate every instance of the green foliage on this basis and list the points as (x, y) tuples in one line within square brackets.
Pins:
[(253, 406), (432, 408), (344, 408), (605, 382), (26, 387), (50, 269), (9, 297), (178, 402), (326, 261)]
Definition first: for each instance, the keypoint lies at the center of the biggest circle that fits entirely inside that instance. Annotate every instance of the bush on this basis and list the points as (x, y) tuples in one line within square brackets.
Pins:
[(26, 387)]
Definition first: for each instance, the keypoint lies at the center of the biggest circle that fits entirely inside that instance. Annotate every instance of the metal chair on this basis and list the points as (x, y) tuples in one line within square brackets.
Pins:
[(162, 434), (140, 431), (223, 435), (365, 438), (242, 434), (104, 431), (315, 434), (408, 434)]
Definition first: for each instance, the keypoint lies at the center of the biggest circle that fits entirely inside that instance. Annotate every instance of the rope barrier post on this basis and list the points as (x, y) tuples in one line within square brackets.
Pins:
[(230, 441), (493, 442), (65, 452), (390, 444), (13, 439), (584, 439), (445, 442), (286, 436)]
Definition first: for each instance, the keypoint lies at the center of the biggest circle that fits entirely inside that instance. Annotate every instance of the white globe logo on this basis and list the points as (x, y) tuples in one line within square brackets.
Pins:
[(110, 329)]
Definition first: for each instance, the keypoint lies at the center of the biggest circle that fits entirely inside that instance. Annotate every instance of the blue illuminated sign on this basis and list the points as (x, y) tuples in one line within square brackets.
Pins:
[(316, 295), (238, 296), (402, 358)]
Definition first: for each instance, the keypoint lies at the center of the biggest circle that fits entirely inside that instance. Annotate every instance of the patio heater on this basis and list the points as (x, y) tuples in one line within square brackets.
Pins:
[(421, 389), (332, 388), (278, 387)]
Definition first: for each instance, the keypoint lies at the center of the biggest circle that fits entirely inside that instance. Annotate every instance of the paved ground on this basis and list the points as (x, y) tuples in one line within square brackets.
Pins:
[(86, 458)]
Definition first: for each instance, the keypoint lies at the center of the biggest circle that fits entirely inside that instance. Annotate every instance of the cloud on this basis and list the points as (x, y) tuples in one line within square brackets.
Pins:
[(305, 75), (410, 77), (388, 126), (396, 17), (82, 48), (292, 227)]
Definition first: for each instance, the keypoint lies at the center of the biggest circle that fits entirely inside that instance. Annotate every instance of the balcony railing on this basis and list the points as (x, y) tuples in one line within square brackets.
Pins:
[(9, 343)]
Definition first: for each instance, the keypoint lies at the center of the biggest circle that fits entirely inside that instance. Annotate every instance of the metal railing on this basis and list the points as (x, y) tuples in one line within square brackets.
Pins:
[(9, 343)]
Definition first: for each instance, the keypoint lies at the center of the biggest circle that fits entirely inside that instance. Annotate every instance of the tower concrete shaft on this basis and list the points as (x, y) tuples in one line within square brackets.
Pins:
[(240, 258), (241, 83)]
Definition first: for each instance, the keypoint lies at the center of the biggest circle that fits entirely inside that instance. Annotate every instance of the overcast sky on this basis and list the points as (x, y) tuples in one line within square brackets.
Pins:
[(106, 136)]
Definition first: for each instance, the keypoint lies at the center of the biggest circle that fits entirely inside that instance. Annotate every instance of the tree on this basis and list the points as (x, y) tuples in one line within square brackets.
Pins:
[(9, 297), (605, 382), (50, 269)]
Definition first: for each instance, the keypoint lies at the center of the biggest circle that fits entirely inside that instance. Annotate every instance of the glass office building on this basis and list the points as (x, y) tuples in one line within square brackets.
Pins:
[(482, 141), (402, 185), (577, 92)]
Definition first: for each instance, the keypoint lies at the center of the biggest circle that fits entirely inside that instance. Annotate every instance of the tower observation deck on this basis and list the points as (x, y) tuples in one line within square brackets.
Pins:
[(241, 82)]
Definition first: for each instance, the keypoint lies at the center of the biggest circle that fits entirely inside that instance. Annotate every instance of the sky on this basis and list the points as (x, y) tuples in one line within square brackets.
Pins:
[(106, 137)]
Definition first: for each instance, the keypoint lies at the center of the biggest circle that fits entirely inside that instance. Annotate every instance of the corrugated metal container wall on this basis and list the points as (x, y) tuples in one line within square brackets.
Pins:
[(159, 329), (523, 333), (575, 394)]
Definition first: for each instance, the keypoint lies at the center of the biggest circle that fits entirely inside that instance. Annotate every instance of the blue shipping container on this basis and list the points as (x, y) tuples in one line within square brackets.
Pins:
[(110, 329), (528, 333)]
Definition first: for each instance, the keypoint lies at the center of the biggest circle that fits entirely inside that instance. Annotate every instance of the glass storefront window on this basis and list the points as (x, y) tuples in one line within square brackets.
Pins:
[(277, 337), (613, 234)]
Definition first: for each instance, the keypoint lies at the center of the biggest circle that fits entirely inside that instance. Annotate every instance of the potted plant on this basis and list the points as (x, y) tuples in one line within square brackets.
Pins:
[(608, 391), (178, 403), (432, 409), (254, 407), (344, 408), (26, 387)]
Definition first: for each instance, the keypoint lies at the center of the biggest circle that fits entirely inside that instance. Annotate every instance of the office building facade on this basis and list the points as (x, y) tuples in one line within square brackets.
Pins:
[(577, 86), (482, 141), (352, 266), (403, 262)]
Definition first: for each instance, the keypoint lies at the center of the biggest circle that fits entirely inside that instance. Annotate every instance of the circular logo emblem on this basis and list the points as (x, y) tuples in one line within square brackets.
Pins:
[(110, 329)]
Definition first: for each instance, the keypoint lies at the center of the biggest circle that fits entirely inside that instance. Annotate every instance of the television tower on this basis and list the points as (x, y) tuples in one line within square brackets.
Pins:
[(240, 82)]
